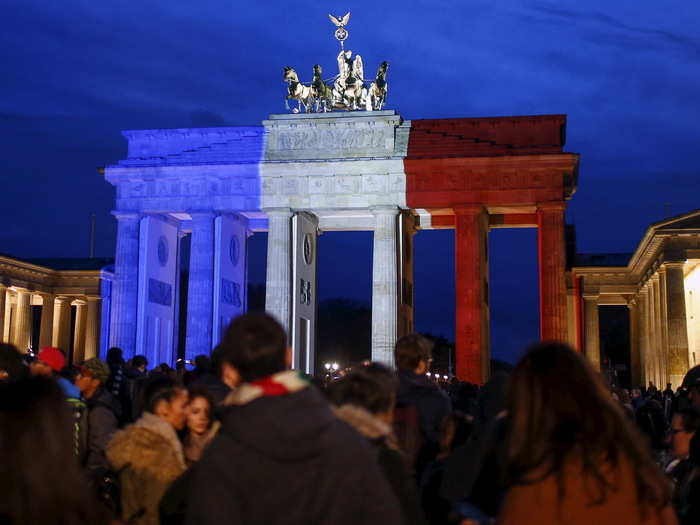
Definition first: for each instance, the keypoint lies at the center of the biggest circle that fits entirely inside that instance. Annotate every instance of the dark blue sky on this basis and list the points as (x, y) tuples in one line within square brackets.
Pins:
[(627, 73)]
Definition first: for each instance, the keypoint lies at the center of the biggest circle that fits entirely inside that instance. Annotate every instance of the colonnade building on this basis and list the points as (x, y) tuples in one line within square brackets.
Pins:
[(660, 285), (56, 302)]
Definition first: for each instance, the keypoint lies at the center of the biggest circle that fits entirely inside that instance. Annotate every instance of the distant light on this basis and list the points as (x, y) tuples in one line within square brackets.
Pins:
[(445, 377), (428, 374), (328, 366), (335, 366)]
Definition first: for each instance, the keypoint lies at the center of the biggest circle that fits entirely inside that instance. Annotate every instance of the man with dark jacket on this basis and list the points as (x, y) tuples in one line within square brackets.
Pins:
[(421, 406), (281, 456), (103, 410)]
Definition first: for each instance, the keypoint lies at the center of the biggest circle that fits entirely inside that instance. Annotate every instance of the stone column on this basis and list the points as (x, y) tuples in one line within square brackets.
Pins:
[(677, 328), (79, 333), (3, 298), (471, 294), (663, 312), (643, 337), (5, 331), (385, 294), (62, 324), (407, 230), (200, 290), (47, 311), (658, 351), (552, 270), (635, 353), (278, 288), (125, 284), (92, 327), (592, 329), (22, 327)]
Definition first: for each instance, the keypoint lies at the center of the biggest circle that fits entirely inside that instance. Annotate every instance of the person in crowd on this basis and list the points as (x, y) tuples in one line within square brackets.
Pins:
[(281, 456), (136, 379), (201, 426), (148, 453), (651, 422), (669, 390), (687, 493), (637, 399), (102, 411), (204, 375), (200, 429), (572, 456), (49, 362), (694, 394), (421, 406), (12, 366), (684, 425), (117, 382), (364, 399), (473, 478), (454, 433), (40, 480)]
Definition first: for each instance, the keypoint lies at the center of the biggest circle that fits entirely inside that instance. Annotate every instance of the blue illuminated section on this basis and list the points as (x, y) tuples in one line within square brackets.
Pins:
[(192, 169), (188, 146)]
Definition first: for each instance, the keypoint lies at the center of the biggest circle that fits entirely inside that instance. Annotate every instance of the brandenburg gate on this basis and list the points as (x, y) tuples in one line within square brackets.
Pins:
[(318, 169)]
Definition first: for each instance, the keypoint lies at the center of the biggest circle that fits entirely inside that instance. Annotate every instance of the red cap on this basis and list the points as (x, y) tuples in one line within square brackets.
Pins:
[(53, 357)]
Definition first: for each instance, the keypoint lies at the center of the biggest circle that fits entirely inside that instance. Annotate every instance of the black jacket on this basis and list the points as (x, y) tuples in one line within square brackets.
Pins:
[(433, 405), (103, 413), (288, 460)]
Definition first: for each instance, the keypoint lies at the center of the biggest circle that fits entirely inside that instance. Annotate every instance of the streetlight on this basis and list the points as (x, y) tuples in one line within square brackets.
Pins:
[(327, 366), (335, 367)]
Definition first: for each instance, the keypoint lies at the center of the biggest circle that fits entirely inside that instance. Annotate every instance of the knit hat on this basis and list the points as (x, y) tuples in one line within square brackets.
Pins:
[(53, 357), (97, 369)]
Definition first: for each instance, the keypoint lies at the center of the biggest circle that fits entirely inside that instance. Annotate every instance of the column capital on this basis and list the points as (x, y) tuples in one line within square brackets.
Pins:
[(551, 206), (90, 298), (590, 296), (674, 265), (278, 212), (202, 214), (467, 209), (126, 215), (384, 210)]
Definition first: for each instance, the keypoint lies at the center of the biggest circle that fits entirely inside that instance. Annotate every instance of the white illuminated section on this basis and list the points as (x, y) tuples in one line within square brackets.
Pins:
[(692, 312)]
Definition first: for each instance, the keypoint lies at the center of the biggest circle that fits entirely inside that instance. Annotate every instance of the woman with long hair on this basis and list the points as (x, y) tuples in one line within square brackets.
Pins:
[(572, 455), (201, 427), (40, 480), (148, 453)]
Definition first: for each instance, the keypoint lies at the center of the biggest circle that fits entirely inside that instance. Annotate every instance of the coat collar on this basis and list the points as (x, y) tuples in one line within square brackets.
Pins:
[(158, 426)]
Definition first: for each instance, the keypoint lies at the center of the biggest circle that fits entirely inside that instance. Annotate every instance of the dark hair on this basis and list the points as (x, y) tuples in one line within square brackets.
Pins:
[(560, 410), (11, 362), (160, 388), (114, 356), (372, 390), (196, 391), (690, 419), (36, 446), (255, 345), (410, 350), (202, 364), (139, 360)]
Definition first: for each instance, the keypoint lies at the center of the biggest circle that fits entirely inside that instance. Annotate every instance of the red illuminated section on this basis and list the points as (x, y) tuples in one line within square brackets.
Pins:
[(474, 174)]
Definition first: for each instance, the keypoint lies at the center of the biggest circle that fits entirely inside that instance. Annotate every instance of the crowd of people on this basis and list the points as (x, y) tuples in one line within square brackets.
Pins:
[(244, 439)]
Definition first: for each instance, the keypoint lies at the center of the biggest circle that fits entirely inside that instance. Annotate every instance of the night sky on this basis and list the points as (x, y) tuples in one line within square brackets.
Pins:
[(75, 73)]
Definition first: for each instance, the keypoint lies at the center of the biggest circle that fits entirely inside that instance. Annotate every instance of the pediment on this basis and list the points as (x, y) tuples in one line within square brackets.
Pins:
[(687, 221)]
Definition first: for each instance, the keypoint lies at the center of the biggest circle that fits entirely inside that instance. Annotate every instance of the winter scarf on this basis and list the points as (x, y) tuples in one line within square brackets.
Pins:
[(279, 384)]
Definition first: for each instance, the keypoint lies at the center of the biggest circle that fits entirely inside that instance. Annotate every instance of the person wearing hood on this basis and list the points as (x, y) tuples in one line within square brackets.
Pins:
[(364, 399), (103, 411), (421, 406), (148, 453), (281, 456)]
